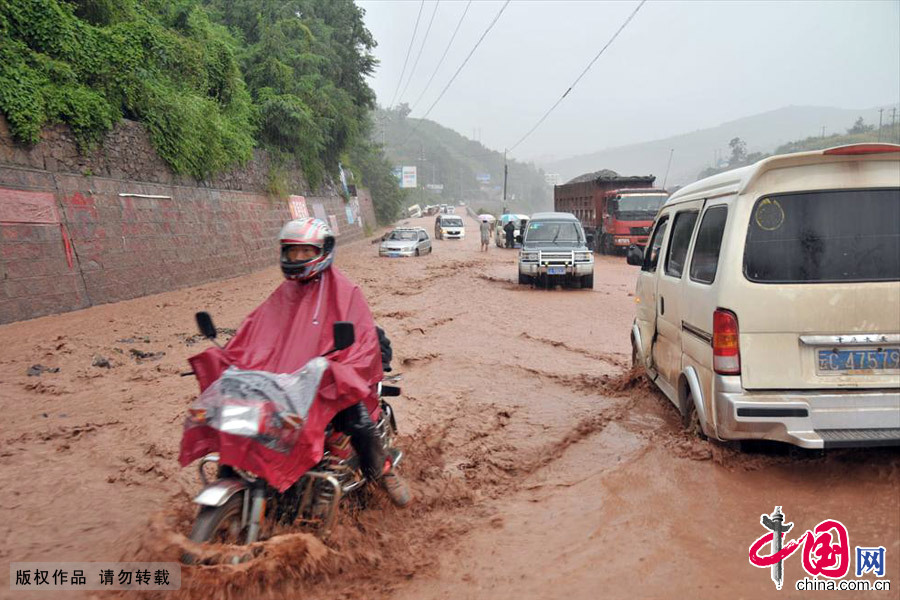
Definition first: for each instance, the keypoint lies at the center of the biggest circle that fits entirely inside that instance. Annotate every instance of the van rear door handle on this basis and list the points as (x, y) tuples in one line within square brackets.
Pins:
[(662, 305)]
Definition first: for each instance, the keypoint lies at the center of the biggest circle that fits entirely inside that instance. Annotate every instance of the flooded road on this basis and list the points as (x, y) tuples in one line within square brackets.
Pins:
[(542, 467)]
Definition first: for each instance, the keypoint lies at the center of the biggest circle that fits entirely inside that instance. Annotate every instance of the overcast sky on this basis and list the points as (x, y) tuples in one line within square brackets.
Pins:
[(677, 67)]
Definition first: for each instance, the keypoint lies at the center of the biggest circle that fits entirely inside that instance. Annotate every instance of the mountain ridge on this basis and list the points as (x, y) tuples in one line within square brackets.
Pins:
[(698, 149)]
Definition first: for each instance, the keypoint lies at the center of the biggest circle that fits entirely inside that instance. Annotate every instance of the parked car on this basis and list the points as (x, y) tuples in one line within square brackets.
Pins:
[(500, 240), (769, 300), (414, 211), (405, 241), (449, 227), (554, 250)]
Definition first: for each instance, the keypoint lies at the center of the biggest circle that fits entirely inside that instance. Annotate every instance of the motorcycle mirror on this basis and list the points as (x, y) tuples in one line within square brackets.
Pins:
[(344, 335), (205, 325)]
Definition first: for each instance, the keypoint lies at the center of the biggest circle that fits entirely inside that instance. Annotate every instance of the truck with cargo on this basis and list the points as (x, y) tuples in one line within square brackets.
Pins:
[(616, 211)]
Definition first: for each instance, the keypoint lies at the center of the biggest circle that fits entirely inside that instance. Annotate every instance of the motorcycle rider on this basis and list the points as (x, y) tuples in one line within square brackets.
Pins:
[(293, 325)]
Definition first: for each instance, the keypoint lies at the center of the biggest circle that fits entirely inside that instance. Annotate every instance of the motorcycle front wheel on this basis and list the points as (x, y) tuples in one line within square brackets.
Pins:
[(218, 524)]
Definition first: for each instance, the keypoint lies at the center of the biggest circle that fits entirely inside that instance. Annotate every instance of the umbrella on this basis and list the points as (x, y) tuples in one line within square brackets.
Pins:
[(487, 218)]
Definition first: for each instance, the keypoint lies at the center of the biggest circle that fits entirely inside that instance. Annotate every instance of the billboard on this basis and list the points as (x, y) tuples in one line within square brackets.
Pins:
[(483, 178), (298, 208), (408, 178), (435, 187)]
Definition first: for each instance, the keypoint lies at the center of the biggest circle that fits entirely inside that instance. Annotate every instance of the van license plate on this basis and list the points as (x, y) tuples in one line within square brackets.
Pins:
[(859, 362), (556, 270)]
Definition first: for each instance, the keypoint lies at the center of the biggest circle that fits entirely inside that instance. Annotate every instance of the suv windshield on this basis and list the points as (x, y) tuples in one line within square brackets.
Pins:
[(639, 206), (559, 232), (844, 235), (451, 223)]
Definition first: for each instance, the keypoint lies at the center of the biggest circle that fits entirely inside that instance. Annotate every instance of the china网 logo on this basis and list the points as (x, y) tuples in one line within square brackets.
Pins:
[(824, 551)]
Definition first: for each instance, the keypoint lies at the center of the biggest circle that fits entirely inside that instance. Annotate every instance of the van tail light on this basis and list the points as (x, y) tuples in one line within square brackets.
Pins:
[(726, 348)]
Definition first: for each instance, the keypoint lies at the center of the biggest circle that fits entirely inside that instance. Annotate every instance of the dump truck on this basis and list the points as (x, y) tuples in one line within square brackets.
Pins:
[(616, 211)]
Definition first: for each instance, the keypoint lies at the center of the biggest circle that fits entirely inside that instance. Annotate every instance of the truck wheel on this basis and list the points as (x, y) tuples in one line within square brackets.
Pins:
[(524, 279), (587, 282), (608, 247)]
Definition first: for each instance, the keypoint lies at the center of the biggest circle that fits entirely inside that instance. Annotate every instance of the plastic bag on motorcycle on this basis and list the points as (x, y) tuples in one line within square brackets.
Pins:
[(268, 408)]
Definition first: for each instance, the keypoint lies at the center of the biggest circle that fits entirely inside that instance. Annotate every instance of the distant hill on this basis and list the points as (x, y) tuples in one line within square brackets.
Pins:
[(697, 150), (468, 171)]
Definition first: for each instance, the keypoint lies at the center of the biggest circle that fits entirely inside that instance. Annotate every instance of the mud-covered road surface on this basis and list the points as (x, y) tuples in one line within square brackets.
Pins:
[(542, 467)]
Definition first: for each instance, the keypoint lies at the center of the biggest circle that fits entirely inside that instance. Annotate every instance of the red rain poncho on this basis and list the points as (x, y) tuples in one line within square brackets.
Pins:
[(291, 327)]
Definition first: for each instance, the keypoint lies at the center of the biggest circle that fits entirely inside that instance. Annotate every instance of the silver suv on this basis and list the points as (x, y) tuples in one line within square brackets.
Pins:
[(554, 251)]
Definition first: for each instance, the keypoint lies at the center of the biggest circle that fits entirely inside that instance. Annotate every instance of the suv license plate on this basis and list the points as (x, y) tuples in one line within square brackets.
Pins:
[(859, 362), (556, 270)]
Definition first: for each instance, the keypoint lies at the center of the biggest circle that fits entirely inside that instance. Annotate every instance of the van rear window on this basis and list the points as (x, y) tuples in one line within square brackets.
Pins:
[(829, 236)]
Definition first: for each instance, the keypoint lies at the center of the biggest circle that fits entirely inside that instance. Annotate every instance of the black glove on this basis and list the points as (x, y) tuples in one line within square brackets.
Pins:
[(387, 353)]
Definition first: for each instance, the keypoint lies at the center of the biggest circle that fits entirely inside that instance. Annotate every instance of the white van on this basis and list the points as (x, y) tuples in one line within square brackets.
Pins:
[(769, 300), (449, 227)]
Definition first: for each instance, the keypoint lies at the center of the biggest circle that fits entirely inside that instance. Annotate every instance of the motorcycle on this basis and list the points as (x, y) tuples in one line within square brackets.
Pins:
[(240, 505)]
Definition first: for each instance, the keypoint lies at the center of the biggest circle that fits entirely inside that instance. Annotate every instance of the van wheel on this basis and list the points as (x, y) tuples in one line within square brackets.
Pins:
[(524, 279), (690, 419), (417, 252), (634, 355), (587, 282)]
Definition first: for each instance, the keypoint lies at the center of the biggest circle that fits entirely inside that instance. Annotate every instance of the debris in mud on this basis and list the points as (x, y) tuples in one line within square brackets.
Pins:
[(225, 332), (135, 340), (38, 370), (101, 361), (142, 356)]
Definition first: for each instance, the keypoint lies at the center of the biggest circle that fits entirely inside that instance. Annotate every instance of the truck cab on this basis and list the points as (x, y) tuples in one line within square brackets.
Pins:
[(627, 216)]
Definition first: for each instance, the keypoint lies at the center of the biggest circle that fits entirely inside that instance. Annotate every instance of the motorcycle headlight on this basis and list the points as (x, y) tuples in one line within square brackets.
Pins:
[(242, 420), (584, 256)]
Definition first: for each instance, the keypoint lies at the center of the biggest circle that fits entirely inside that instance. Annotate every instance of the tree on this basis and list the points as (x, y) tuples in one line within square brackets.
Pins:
[(738, 152), (860, 127)]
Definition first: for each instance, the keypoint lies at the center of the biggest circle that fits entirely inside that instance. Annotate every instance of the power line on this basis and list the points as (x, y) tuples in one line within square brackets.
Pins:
[(440, 62), (478, 43), (422, 47), (408, 50), (586, 69)]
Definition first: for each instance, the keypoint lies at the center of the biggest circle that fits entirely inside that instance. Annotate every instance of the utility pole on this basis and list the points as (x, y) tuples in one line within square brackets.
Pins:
[(666, 178), (823, 131), (893, 119), (505, 175), (880, 115)]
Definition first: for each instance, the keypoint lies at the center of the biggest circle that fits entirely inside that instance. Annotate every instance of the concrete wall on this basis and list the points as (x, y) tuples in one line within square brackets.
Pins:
[(78, 230)]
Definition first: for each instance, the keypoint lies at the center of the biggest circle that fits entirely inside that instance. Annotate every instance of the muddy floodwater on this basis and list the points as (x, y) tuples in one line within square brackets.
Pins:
[(542, 466)]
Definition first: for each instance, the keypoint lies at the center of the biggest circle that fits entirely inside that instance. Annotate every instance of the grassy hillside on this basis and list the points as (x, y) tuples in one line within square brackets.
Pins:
[(443, 156)]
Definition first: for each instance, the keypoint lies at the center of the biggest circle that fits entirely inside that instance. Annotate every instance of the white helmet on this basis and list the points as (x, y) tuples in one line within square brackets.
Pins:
[(307, 232)]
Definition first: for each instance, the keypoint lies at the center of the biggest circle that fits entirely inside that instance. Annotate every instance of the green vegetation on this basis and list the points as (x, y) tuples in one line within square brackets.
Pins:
[(853, 136), (858, 134), (90, 63), (209, 79), (443, 156)]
